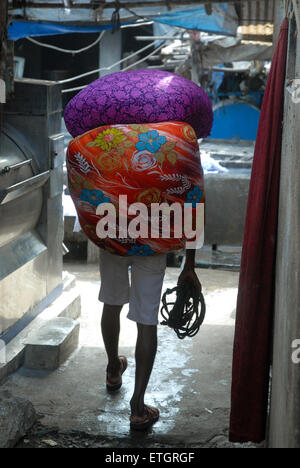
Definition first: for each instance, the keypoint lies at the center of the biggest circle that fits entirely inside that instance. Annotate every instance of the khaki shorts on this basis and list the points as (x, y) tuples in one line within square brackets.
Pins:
[(144, 292)]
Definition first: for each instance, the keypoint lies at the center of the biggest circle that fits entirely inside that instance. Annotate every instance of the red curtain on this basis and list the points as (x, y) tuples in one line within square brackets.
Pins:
[(255, 303)]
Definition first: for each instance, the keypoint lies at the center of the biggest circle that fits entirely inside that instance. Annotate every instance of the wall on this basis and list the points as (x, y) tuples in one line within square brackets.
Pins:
[(3, 37), (284, 427), (54, 65)]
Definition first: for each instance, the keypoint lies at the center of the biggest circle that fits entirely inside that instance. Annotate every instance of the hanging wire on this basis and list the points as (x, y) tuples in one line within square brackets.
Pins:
[(107, 68), (133, 13), (59, 49), (134, 25), (144, 58), (74, 78), (67, 51), (77, 77)]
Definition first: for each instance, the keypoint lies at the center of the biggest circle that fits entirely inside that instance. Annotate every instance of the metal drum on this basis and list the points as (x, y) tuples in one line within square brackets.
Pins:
[(235, 119), (21, 195)]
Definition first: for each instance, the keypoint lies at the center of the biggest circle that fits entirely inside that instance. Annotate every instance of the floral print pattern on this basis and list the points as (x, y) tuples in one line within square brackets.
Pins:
[(93, 197), (148, 196), (109, 161), (150, 141), (138, 96), (143, 161), (108, 139), (82, 163), (140, 250), (167, 170), (194, 196)]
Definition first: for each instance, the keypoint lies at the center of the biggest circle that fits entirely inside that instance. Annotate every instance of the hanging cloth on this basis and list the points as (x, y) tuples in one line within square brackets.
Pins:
[(255, 302)]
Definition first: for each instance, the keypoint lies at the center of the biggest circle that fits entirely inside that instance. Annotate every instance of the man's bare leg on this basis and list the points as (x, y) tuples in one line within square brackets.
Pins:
[(110, 327), (145, 352)]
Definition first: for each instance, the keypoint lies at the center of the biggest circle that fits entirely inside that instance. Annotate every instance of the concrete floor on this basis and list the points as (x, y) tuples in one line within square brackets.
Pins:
[(190, 383)]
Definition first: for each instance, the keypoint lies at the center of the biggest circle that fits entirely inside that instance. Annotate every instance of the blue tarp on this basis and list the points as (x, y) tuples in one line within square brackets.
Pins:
[(223, 20), (20, 29), (217, 23)]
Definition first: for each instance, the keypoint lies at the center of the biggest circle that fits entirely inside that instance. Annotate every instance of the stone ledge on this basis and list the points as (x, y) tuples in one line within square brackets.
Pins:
[(17, 417), (52, 344), (68, 304)]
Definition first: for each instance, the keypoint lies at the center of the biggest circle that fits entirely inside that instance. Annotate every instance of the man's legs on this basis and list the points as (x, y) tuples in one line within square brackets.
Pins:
[(110, 327), (144, 297), (147, 276), (114, 293), (145, 352)]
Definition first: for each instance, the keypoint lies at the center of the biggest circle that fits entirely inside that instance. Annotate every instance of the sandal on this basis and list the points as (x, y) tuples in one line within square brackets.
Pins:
[(111, 385), (141, 423)]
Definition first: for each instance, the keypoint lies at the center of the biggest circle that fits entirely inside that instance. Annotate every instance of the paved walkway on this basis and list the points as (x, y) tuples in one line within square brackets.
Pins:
[(190, 383)]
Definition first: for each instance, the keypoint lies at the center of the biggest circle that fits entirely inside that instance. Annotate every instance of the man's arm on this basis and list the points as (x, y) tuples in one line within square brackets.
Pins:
[(188, 273)]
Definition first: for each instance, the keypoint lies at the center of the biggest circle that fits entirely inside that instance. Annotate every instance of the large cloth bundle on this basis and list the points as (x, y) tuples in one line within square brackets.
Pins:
[(136, 136), (149, 163), (139, 96)]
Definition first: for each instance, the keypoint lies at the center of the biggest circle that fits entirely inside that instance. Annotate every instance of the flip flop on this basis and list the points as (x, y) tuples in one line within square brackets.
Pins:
[(113, 386), (141, 423)]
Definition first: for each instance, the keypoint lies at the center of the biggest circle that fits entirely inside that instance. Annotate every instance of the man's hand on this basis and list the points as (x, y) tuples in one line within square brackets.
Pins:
[(188, 273)]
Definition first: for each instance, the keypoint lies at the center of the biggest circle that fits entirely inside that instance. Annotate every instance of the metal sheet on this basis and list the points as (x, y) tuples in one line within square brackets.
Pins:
[(23, 188), (23, 278), (256, 12), (11, 157), (32, 224), (225, 207), (257, 18), (54, 239), (20, 209), (57, 150), (19, 252), (35, 97), (19, 216)]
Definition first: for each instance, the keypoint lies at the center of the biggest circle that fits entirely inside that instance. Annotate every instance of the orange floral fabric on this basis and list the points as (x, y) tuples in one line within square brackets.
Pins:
[(150, 163)]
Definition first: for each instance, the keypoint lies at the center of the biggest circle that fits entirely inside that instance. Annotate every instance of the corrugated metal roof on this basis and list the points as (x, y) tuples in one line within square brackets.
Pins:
[(256, 19), (252, 12)]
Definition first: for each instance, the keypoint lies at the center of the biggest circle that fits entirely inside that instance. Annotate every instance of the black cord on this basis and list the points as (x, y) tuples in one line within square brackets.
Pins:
[(115, 18), (5, 170), (184, 317), (133, 13)]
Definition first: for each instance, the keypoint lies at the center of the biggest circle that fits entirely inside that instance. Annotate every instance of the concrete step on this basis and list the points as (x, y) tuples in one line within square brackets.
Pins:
[(68, 305), (69, 281), (52, 344)]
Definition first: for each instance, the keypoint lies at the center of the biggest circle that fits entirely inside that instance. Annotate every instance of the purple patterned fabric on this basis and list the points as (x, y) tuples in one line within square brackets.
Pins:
[(139, 96)]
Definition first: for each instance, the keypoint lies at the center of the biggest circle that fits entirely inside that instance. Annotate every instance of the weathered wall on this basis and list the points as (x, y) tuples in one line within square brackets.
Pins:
[(3, 36), (6, 57), (284, 427), (278, 17)]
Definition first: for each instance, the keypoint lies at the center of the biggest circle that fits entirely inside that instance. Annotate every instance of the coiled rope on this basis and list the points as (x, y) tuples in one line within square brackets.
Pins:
[(184, 317)]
